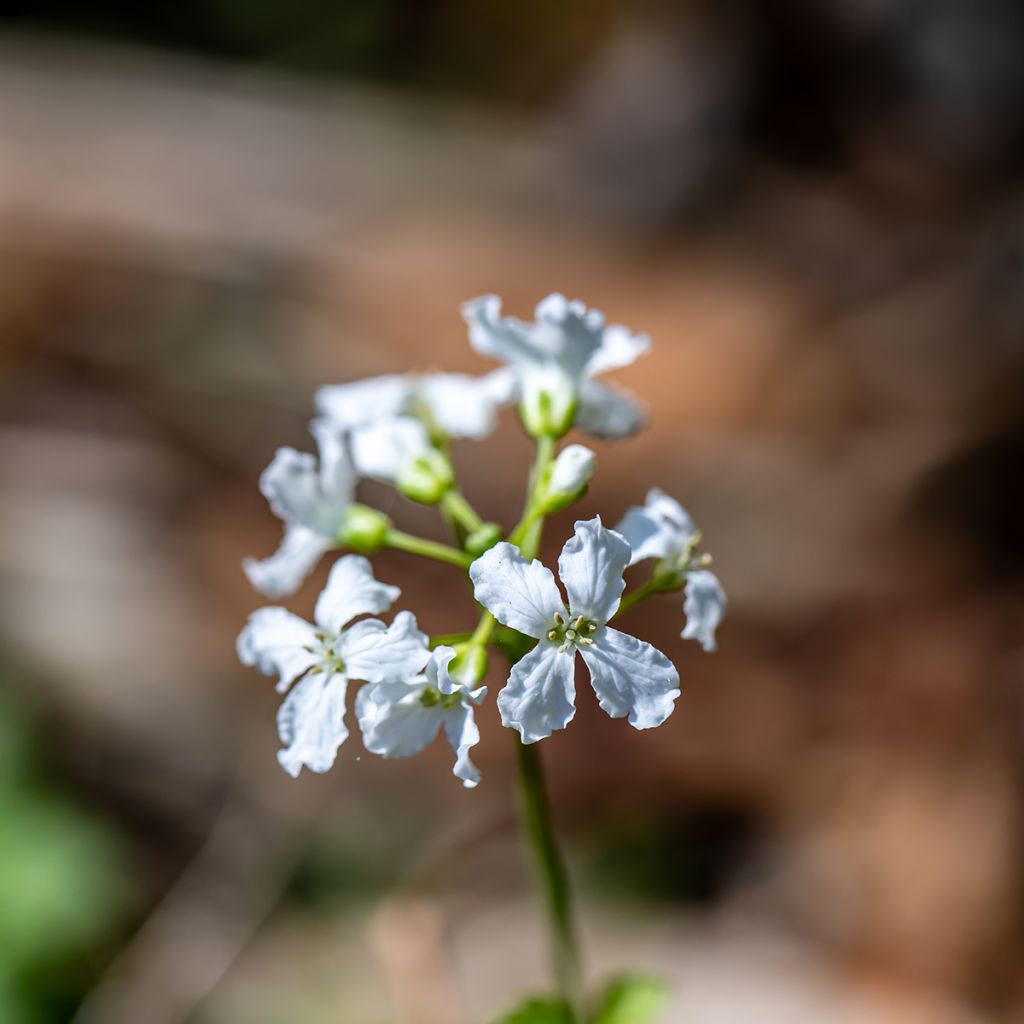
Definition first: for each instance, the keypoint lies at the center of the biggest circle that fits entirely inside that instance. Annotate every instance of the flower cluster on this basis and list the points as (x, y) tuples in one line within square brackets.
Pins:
[(397, 429)]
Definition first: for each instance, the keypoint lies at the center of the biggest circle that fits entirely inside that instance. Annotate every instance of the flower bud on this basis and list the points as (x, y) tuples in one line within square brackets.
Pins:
[(363, 529), (568, 477), (548, 408), (426, 478), (483, 539)]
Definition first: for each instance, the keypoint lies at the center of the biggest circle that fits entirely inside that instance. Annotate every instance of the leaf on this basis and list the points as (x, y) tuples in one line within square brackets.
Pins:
[(632, 999), (538, 1011)]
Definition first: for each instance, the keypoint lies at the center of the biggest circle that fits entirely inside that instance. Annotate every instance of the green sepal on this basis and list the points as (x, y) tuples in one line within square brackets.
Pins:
[(632, 999), (427, 478), (538, 1011), (483, 539), (469, 666)]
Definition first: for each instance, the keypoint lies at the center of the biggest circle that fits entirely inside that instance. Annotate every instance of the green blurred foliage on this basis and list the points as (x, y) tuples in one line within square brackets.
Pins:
[(61, 884), (632, 999)]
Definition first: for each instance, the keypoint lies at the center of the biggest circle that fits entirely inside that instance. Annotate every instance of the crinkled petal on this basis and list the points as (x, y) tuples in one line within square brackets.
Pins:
[(352, 590), (619, 347), (607, 411), (630, 677), (502, 338), (660, 529), (591, 566), (501, 385), (382, 449), (520, 594), (380, 653), (568, 333), (364, 401), (461, 405), (437, 670), (293, 486), (704, 608), (540, 693), (463, 734), (277, 643), (284, 571), (311, 723), (393, 719), (337, 477)]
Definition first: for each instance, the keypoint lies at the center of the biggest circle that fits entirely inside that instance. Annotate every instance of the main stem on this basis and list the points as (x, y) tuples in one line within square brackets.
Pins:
[(540, 832), (554, 878)]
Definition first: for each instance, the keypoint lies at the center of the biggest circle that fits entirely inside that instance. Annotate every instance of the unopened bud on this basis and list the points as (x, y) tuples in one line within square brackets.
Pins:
[(569, 476), (363, 529)]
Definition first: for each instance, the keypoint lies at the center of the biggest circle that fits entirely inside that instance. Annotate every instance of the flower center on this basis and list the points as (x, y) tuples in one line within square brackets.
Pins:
[(566, 634), (431, 698), (328, 654)]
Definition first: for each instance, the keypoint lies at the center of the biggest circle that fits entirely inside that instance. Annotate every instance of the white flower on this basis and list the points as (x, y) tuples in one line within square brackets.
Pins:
[(321, 659), (662, 529), (399, 719), (399, 450), (458, 404), (311, 498), (555, 360), (630, 677)]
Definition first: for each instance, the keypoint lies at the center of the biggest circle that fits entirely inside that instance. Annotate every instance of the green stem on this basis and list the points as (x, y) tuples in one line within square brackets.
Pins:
[(455, 504), (482, 634), (527, 532), (554, 878), (427, 548), (636, 596), (449, 639)]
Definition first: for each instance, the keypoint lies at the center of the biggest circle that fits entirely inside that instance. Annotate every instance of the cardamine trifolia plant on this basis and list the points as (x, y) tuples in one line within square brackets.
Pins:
[(397, 429)]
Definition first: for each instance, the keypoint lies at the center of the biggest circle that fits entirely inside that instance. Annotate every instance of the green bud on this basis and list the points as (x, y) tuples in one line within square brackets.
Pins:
[(427, 477), (469, 666), (483, 539), (363, 529)]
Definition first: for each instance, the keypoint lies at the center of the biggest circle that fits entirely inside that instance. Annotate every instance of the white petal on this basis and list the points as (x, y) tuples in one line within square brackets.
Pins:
[(619, 347), (630, 677), (608, 412), (337, 477), (352, 590), (461, 405), (293, 486), (568, 333), (275, 641), (572, 470), (311, 723), (437, 670), (660, 529), (461, 729), (393, 719), (704, 608), (491, 334), (502, 385), (540, 693), (380, 653), (591, 566), (518, 593), (363, 401), (384, 448), (284, 571)]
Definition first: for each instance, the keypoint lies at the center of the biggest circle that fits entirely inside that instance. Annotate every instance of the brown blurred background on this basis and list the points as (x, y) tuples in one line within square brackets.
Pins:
[(209, 208)]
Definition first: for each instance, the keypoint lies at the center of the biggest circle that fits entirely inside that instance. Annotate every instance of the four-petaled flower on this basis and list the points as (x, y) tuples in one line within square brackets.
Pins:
[(662, 529), (312, 499), (554, 361), (318, 661), (399, 719), (629, 676)]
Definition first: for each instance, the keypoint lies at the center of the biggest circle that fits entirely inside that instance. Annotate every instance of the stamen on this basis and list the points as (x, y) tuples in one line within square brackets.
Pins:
[(579, 622), (585, 640), (552, 634), (559, 619), (564, 647)]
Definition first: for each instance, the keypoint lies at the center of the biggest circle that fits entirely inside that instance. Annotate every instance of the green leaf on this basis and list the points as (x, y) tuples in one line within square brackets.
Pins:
[(538, 1011), (632, 999)]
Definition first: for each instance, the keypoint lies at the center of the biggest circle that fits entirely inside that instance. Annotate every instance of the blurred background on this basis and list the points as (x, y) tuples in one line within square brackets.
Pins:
[(209, 208)]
